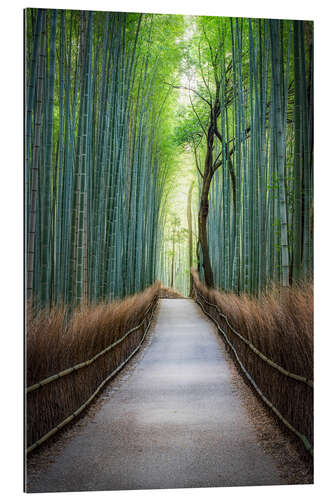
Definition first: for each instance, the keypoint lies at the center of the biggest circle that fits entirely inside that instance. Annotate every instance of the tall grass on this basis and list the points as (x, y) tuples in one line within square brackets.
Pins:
[(280, 325), (170, 293), (54, 343)]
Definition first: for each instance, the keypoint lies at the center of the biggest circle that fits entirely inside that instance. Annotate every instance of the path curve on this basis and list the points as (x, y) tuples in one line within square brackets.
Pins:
[(176, 422)]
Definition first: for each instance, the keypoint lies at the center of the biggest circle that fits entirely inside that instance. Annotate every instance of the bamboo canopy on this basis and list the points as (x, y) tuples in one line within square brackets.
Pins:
[(106, 137)]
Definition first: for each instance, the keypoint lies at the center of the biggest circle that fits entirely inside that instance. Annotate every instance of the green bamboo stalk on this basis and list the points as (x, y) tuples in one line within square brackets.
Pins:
[(45, 235), (298, 163), (34, 185), (280, 152)]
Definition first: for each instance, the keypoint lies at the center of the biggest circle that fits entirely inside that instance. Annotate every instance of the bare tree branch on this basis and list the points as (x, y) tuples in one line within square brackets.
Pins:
[(198, 117), (191, 90), (202, 74), (196, 158)]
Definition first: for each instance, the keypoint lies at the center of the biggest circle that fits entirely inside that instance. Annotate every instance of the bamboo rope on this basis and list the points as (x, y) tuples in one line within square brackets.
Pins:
[(254, 349), (67, 371), (301, 436), (84, 405)]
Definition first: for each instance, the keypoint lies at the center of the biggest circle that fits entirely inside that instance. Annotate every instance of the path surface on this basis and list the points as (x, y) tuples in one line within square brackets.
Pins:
[(176, 422)]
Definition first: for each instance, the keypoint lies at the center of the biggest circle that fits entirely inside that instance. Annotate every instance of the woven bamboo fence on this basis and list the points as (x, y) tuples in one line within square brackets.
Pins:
[(55, 401), (288, 395)]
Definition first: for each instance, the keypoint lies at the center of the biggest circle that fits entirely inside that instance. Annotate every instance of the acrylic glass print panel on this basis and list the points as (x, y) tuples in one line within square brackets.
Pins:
[(169, 251)]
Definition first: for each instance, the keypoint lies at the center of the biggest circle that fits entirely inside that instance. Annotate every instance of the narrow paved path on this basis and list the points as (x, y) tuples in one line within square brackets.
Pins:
[(176, 421)]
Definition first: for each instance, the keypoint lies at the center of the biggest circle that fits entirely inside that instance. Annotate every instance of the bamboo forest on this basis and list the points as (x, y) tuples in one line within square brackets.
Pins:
[(154, 143), (168, 157)]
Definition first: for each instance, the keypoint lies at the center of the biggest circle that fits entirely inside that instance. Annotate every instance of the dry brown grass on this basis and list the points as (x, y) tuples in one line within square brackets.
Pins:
[(170, 293), (280, 325), (54, 344)]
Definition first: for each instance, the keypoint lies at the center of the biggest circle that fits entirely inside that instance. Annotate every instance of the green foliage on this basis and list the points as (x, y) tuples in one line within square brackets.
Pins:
[(118, 109), (260, 73), (95, 189)]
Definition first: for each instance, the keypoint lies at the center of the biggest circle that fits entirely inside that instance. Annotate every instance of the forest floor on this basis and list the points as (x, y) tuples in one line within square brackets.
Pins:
[(179, 416)]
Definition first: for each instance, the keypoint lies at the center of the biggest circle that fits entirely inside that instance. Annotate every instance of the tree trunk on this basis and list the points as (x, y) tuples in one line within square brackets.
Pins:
[(204, 202), (203, 215)]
